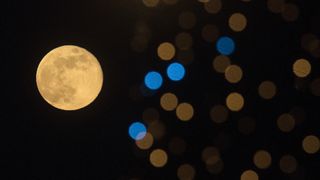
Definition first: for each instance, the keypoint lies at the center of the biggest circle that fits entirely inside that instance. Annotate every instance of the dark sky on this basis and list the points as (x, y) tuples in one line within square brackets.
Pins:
[(41, 142)]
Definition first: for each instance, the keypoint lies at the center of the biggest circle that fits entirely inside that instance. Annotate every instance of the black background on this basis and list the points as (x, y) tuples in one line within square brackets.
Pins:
[(41, 142)]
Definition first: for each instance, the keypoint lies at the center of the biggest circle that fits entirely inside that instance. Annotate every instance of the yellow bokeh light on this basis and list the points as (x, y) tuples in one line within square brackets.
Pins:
[(220, 63), (288, 164), (286, 122), (186, 172), (301, 68), (166, 51), (249, 175), (267, 89), (158, 158), (213, 6), (185, 111), (262, 159), (235, 101), (311, 144), (169, 101), (237, 22), (233, 74), (146, 142)]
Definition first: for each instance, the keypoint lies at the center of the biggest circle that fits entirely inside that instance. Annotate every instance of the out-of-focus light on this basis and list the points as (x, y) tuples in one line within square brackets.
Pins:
[(158, 158), (185, 111), (233, 73), (237, 22), (153, 80), (288, 164), (166, 51), (235, 101), (262, 159), (301, 68), (146, 142), (249, 175), (176, 71), (169, 101), (311, 144), (137, 131), (225, 45), (185, 172)]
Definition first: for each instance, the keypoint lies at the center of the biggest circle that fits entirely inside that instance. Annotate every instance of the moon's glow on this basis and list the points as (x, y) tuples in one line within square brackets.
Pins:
[(69, 77)]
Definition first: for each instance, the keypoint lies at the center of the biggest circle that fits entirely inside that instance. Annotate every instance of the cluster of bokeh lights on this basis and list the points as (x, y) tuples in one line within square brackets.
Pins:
[(179, 54)]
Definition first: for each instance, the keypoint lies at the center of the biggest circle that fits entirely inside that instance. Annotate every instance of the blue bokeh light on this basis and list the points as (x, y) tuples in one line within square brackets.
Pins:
[(153, 80), (137, 131), (176, 71), (225, 45)]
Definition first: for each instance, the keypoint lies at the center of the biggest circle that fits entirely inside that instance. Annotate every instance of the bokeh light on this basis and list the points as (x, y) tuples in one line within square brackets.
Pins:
[(210, 155), (166, 51), (235, 101), (137, 131), (262, 159), (176, 71), (286, 122), (249, 175), (237, 22), (158, 158), (267, 89), (213, 6), (169, 101), (233, 73), (288, 164), (186, 172), (153, 80), (146, 142), (290, 12), (301, 68), (185, 111), (225, 45), (311, 144)]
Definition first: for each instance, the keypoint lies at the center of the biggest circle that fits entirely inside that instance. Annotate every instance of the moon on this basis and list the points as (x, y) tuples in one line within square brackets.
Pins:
[(69, 77)]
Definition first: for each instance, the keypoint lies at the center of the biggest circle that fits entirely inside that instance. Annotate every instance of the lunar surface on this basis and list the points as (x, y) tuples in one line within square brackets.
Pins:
[(69, 77)]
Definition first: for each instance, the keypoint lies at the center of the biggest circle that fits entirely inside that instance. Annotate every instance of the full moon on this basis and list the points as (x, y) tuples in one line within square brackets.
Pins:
[(69, 77)]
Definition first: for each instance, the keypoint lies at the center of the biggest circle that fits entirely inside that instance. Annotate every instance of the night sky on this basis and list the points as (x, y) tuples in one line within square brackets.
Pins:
[(42, 142)]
